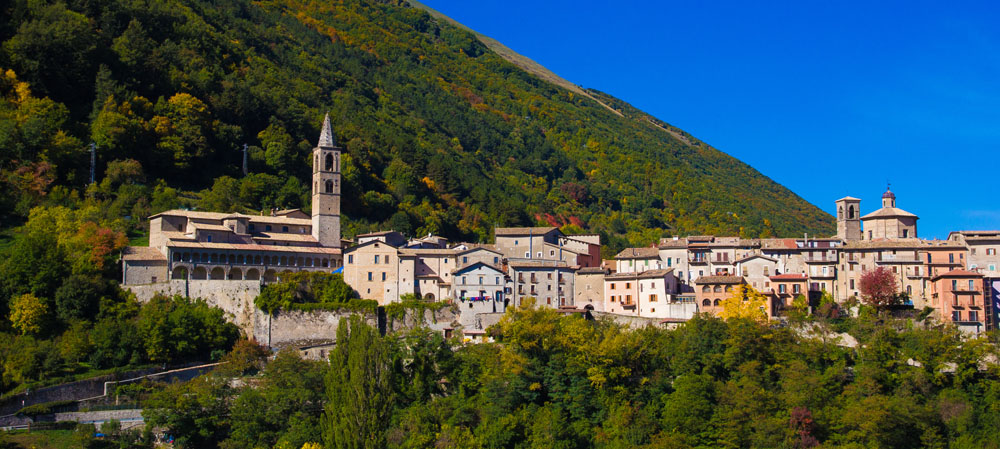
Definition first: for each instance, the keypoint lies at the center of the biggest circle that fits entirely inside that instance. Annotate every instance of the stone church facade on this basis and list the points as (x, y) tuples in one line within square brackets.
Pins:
[(186, 244)]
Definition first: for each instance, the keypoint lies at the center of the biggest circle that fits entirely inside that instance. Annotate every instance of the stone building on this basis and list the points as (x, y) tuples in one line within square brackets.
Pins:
[(232, 246), (550, 282), (889, 222), (710, 291), (958, 296), (983, 250), (588, 288), (648, 293), (479, 288)]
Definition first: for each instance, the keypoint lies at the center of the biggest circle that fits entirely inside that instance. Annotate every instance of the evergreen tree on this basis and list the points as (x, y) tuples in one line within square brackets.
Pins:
[(359, 392)]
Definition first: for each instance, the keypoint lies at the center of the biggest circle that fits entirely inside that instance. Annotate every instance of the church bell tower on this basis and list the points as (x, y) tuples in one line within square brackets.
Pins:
[(849, 219), (326, 188)]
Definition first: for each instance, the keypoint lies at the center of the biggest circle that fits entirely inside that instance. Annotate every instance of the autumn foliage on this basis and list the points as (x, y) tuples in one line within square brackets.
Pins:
[(878, 287)]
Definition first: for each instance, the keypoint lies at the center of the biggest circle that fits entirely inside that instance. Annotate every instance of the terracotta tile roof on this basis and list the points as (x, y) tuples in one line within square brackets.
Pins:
[(958, 274), (219, 216), (885, 243), (478, 246), (671, 243), (778, 244), (648, 274), (719, 280), (789, 277), (475, 264), (639, 253), (754, 256), (256, 247), (142, 253), (888, 212), (377, 234), (535, 230), (538, 263), (592, 270)]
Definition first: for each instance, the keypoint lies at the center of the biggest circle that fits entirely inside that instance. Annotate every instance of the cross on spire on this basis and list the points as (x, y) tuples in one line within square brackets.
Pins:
[(326, 138)]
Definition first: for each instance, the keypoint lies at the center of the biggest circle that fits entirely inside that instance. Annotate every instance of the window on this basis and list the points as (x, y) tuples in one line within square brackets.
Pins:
[(951, 258), (480, 280), (796, 288), (954, 284), (973, 315), (906, 233), (350, 258), (869, 235), (498, 280), (376, 258), (612, 286), (971, 285), (370, 275), (284, 229), (383, 275), (208, 238), (496, 260), (781, 288), (464, 281), (852, 284), (267, 228), (527, 255), (328, 186), (652, 298), (956, 316), (991, 251), (386, 259), (465, 259)]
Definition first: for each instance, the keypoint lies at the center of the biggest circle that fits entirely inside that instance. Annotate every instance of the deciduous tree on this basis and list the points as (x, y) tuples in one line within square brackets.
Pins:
[(878, 287)]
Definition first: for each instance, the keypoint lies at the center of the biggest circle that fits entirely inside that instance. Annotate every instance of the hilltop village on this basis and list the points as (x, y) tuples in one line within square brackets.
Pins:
[(668, 282)]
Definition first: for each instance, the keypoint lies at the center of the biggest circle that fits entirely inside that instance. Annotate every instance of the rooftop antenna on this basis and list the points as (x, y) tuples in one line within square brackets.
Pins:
[(93, 160)]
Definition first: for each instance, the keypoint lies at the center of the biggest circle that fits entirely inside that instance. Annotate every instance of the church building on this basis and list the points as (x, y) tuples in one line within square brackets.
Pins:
[(186, 244)]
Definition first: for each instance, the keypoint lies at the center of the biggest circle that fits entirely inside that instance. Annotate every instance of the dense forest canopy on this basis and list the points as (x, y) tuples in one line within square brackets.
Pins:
[(442, 135), (556, 381)]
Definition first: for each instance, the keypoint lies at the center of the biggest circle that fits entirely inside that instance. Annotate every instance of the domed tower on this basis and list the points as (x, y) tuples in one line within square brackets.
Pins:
[(326, 188), (849, 218), (888, 198), (889, 222)]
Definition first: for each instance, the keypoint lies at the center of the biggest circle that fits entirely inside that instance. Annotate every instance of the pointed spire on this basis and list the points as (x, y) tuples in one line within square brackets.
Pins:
[(326, 138)]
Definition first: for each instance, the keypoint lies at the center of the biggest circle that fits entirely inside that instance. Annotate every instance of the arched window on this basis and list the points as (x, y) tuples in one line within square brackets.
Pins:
[(840, 213), (706, 289), (336, 165), (717, 302), (707, 302), (718, 289), (329, 162), (850, 211), (329, 186)]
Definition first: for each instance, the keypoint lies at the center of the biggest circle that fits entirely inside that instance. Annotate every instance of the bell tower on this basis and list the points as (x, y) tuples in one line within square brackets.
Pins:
[(849, 218), (326, 188)]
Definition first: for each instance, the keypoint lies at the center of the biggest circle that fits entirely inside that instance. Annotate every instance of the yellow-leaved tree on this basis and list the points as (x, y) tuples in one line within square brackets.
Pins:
[(745, 302), (27, 313)]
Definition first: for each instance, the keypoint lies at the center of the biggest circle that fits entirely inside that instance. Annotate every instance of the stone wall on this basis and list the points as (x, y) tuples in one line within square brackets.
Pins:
[(233, 297)]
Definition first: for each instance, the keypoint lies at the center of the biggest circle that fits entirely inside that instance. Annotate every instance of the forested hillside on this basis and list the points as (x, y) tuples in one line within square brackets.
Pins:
[(442, 134)]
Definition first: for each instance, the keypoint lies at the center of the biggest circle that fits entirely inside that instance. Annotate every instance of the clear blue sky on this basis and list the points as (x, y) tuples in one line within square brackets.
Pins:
[(827, 98)]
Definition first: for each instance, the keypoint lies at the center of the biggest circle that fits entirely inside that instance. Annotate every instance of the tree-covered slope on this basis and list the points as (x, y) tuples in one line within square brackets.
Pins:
[(442, 134)]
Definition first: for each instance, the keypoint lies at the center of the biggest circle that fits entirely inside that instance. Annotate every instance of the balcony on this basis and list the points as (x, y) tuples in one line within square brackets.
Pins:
[(630, 306), (698, 261)]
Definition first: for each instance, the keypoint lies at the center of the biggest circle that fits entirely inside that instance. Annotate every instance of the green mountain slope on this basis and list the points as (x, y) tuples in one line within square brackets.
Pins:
[(442, 133)]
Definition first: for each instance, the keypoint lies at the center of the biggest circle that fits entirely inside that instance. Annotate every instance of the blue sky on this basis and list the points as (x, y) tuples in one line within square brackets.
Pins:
[(827, 98)]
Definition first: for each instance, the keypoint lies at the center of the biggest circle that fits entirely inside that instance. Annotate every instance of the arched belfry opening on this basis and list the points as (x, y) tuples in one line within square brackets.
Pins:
[(850, 212), (328, 165), (840, 213)]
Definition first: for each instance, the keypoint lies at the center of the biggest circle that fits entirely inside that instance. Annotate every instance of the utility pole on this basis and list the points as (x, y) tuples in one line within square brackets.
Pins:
[(93, 160), (244, 159)]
